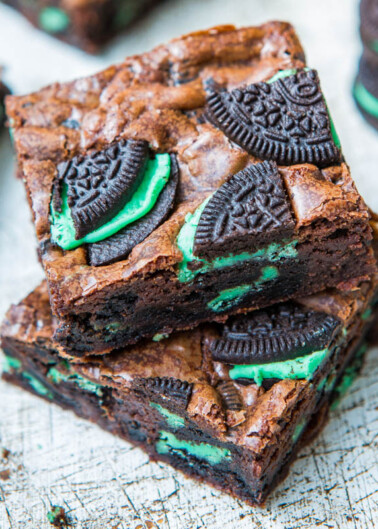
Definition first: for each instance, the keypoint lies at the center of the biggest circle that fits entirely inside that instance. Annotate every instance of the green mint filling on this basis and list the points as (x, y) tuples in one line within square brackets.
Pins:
[(366, 314), (229, 297), (299, 429), (169, 443), (57, 376), (349, 376), (365, 99), (159, 336), (10, 363), (173, 420), (185, 242), (127, 11), (143, 200), (37, 385), (53, 20), (302, 367), (374, 46)]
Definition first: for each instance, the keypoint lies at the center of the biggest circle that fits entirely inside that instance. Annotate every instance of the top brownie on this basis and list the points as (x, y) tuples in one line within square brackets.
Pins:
[(200, 179)]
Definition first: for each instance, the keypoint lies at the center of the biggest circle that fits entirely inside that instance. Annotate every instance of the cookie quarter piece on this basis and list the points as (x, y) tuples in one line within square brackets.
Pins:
[(232, 204), (188, 401)]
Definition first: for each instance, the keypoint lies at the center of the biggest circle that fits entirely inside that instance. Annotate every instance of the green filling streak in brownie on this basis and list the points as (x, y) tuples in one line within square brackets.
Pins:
[(185, 242), (53, 20), (349, 376), (365, 99), (169, 443), (127, 11), (11, 363), (374, 46), (231, 296), (37, 385), (145, 197), (366, 315), (299, 368), (57, 376), (159, 337), (173, 420), (299, 429)]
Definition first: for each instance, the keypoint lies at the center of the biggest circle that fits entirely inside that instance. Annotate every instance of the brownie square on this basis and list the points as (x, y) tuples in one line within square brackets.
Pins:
[(87, 24), (226, 404), (198, 180)]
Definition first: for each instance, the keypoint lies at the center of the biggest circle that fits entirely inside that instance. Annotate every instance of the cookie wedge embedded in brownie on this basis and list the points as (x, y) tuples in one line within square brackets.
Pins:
[(87, 24), (228, 405), (238, 197)]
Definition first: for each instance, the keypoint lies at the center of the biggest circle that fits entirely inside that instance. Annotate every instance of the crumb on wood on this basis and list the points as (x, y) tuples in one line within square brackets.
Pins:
[(5, 453), (57, 516), (5, 474)]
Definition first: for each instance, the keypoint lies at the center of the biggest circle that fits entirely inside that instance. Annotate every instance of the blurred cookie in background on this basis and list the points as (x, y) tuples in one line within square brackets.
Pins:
[(365, 90)]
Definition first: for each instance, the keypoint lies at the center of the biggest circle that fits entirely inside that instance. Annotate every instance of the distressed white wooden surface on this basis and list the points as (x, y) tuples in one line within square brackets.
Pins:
[(103, 482)]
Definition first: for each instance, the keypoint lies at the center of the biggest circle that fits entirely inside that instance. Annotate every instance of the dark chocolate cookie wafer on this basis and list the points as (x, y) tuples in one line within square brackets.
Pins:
[(249, 210), (285, 120), (119, 246), (100, 184), (365, 90), (279, 333), (230, 396), (166, 388)]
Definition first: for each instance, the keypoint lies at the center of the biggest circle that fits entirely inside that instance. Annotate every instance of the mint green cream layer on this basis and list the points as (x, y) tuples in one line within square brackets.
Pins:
[(229, 297), (169, 443), (365, 99), (299, 368), (57, 376), (53, 20), (173, 420), (185, 242), (143, 200)]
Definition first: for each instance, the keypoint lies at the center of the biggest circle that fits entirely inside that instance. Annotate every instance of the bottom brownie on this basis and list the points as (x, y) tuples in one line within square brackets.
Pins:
[(228, 405)]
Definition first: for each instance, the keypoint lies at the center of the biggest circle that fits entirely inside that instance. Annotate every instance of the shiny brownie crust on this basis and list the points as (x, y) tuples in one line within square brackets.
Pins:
[(261, 436), (160, 97)]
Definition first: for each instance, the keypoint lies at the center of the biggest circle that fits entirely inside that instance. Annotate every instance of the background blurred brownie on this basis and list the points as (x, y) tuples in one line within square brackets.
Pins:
[(4, 91), (365, 90), (201, 179), (87, 24)]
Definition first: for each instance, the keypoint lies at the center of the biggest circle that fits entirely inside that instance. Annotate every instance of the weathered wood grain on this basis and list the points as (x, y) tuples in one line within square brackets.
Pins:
[(102, 482)]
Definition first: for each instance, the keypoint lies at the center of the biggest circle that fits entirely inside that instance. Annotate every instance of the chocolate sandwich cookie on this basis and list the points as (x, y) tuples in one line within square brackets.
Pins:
[(234, 427), (199, 180), (365, 90)]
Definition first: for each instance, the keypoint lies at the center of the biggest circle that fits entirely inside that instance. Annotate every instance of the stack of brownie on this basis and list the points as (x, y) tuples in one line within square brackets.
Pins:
[(365, 89), (210, 274)]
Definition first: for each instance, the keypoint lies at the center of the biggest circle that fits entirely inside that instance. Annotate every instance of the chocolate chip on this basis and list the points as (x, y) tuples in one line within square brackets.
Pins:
[(286, 120), (279, 333), (100, 184), (120, 245), (249, 210)]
